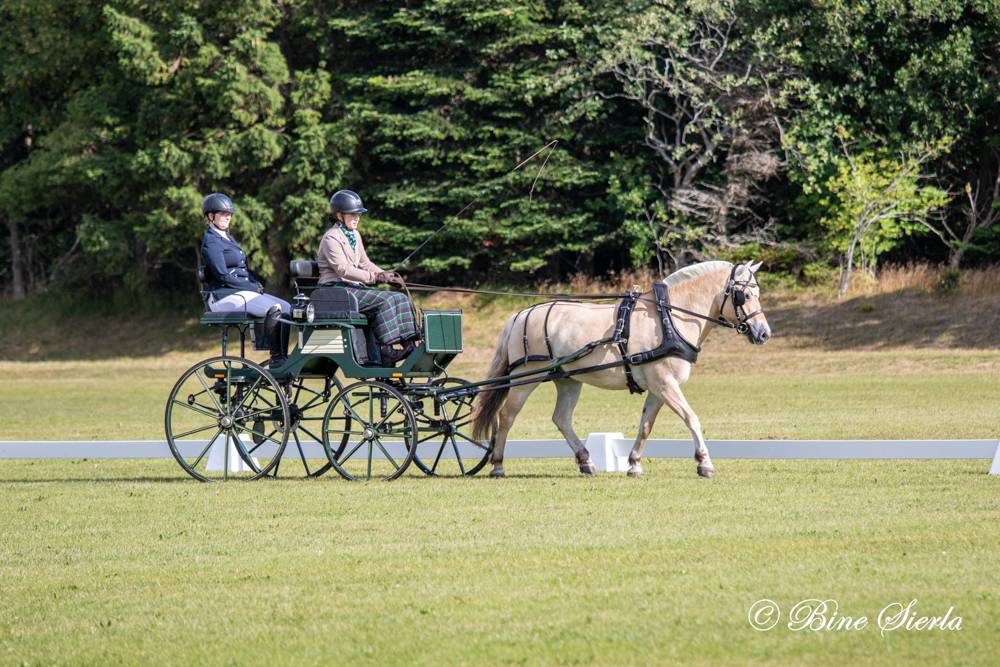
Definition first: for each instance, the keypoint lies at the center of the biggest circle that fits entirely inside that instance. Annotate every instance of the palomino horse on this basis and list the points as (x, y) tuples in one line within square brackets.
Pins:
[(710, 288)]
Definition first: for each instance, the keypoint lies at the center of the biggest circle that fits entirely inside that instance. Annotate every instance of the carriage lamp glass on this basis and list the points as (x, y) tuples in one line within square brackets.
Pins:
[(299, 307), (310, 313)]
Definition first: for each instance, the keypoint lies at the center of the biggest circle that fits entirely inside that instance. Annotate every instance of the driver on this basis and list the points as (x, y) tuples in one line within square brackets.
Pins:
[(343, 262)]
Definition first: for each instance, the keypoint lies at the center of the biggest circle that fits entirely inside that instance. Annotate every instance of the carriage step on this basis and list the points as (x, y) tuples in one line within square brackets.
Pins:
[(230, 317)]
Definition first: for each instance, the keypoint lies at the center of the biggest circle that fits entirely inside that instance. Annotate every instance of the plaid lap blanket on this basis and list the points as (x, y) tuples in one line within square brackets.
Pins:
[(390, 313)]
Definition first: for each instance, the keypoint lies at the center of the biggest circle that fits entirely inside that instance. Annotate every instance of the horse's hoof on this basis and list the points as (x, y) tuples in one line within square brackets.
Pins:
[(497, 473), (706, 472), (588, 469), (635, 472)]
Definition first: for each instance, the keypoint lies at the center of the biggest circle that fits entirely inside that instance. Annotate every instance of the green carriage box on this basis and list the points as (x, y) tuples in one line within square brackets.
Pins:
[(443, 331)]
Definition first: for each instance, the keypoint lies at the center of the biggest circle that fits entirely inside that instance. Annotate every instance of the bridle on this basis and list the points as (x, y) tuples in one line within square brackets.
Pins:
[(737, 290)]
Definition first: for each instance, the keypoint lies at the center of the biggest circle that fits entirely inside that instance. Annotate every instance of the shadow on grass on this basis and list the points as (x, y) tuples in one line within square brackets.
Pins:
[(908, 317), (97, 480)]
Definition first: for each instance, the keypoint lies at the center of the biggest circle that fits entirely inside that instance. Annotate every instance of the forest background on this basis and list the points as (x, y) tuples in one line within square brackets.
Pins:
[(823, 138)]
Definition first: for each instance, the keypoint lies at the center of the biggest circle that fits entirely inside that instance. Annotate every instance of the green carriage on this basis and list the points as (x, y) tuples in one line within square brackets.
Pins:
[(332, 404)]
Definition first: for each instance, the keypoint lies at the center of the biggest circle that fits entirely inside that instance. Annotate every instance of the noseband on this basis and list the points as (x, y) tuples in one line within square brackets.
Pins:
[(737, 290)]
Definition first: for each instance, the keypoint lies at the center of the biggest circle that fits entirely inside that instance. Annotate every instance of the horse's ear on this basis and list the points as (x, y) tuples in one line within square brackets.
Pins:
[(753, 267)]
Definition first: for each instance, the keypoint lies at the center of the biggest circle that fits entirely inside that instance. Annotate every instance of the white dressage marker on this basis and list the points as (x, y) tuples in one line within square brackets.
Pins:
[(609, 450), (217, 455)]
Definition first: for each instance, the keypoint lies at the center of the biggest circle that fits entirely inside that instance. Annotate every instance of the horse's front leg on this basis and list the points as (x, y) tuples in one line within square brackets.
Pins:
[(650, 409), (567, 395), (671, 394)]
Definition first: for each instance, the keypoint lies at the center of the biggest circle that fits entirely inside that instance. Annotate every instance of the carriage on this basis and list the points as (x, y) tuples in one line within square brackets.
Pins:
[(388, 417), (332, 404)]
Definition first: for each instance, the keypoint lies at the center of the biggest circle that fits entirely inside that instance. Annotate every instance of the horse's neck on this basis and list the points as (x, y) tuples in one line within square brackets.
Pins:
[(699, 295)]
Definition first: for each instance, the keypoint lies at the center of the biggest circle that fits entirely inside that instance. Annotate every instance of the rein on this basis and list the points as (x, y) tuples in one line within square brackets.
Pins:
[(740, 327)]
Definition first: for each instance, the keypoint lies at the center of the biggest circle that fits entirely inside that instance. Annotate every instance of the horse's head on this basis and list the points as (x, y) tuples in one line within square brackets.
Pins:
[(741, 303)]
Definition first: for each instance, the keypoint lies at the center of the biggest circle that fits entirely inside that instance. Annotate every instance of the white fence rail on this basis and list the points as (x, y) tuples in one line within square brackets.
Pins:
[(608, 450)]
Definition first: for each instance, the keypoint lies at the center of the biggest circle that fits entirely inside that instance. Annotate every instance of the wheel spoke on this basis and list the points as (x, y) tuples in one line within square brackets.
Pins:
[(353, 413), (350, 453), (339, 432), (204, 451), (250, 392), (387, 455), (267, 402), (309, 433), (258, 444), (252, 433), (225, 465), (208, 391), (388, 414), (429, 437), (438, 457), (302, 454), (201, 409), (229, 396), (193, 431), (481, 446), (370, 452), (458, 456)]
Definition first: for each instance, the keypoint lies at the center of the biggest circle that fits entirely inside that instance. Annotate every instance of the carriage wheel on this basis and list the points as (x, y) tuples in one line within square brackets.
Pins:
[(227, 418), (305, 454), (446, 446), (370, 432)]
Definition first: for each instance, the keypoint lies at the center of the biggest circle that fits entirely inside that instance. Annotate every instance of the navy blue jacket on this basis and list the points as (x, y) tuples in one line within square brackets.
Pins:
[(226, 269)]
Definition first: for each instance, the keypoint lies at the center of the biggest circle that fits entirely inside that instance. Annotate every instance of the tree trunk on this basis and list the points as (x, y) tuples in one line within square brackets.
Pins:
[(16, 262), (845, 274), (955, 258)]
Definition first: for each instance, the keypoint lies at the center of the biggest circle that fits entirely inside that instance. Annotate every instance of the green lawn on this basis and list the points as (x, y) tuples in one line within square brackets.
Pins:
[(124, 562), (131, 562)]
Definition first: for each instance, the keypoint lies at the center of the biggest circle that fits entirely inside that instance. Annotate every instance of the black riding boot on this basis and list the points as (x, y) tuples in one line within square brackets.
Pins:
[(277, 334)]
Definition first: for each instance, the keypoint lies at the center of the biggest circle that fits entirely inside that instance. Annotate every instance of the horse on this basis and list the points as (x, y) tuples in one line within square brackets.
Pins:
[(710, 292)]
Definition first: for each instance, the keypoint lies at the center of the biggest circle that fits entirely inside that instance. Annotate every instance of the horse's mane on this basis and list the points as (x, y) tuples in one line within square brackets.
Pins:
[(693, 271)]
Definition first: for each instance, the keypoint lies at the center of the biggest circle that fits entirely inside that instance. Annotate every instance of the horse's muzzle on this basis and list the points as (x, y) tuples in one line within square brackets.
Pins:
[(758, 333)]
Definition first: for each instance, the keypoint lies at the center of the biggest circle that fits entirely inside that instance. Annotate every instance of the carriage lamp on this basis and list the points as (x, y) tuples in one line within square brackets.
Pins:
[(310, 313), (300, 307)]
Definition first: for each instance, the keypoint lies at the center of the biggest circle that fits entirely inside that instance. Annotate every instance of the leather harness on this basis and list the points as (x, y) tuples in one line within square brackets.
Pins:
[(672, 345)]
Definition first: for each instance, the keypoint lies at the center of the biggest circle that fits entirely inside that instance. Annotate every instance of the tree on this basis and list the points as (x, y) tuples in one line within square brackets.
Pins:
[(710, 109), (980, 213), (874, 198)]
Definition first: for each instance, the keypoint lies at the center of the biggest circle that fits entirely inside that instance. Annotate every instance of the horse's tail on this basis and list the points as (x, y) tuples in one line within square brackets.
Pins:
[(488, 403)]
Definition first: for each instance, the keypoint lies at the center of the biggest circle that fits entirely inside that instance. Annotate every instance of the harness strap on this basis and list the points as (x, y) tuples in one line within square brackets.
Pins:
[(673, 344), (622, 329), (524, 338)]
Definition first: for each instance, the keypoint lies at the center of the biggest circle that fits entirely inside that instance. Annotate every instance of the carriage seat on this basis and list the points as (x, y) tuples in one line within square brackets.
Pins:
[(331, 303), (234, 317)]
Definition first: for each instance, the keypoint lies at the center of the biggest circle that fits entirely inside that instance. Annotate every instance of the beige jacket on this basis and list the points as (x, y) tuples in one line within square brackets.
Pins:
[(339, 263)]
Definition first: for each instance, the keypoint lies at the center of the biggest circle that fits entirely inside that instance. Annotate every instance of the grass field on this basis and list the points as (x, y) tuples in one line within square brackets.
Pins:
[(128, 562), (123, 562)]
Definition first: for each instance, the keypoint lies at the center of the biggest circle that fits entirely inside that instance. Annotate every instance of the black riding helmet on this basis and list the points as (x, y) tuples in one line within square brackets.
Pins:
[(346, 201), (217, 203)]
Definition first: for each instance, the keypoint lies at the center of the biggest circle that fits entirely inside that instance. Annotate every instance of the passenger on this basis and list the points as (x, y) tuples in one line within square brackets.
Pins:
[(231, 286), (343, 262)]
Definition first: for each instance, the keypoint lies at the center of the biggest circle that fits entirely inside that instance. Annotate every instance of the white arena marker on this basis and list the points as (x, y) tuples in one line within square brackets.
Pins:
[(995, 468), (607, 451), (217, 455)]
